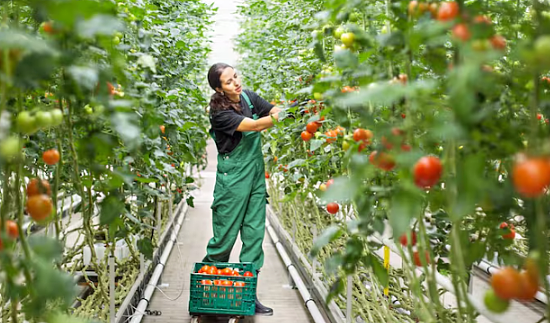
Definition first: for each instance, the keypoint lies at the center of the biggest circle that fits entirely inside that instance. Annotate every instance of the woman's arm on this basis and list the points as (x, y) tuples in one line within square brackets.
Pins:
[(249, 124)]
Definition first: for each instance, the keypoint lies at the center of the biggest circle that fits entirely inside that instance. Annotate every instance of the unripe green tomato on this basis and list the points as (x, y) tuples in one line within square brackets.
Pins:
[(44, 119), (57, 117), (10, 148), (26, 123), (338, 32)]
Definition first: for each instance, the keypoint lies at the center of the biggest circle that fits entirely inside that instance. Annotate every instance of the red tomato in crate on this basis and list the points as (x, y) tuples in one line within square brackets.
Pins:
[(248, 274), (204, 269), (227, 272)]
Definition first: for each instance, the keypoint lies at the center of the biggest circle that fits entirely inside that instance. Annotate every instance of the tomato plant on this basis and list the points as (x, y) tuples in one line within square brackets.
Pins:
[(96, 80), (464, 82)]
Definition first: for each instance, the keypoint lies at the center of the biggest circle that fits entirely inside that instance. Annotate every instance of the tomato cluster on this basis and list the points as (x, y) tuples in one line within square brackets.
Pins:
[(213, 270), (39, 202), (29, 123), (508, 283)]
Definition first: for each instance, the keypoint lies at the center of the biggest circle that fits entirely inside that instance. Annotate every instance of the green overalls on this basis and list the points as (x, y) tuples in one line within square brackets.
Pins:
[(239, 201)]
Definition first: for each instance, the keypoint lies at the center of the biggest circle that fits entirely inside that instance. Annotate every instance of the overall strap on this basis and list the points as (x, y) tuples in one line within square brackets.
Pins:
[(247, 99)]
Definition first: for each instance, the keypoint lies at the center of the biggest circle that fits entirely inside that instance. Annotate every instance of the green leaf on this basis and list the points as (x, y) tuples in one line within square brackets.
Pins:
[(125, 125), (343, 189), (297, 162), (49, 285), (379, 270), (99, 25), (86, 77), (315, 144), (335, 289), (17, 39), (190, 200), (405, 205), (329, 235), (145, 246), (385, 93), (45, 248), (471, 184), (111, 208)]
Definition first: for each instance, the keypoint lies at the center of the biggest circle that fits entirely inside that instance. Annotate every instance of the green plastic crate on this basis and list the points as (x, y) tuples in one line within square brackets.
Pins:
[(223, 300)]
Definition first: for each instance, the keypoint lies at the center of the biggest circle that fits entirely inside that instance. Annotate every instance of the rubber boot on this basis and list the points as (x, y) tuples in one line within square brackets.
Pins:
[(260, 308)]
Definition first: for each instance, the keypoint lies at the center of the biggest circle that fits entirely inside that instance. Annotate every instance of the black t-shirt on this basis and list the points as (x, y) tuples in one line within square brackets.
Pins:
[(225, 123)]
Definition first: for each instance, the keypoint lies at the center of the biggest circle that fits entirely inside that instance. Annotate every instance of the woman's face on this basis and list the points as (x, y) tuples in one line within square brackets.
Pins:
[(231, 82)]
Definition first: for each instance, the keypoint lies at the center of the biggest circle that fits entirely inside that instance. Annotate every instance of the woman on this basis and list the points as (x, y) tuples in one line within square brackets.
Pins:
[(237, 117)]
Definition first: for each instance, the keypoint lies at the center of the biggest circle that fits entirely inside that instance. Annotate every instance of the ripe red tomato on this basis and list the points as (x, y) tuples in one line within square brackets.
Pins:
[(227, 283), (206, 282), (447, 11), (417, 260), (47, 27), (227, 272), (248, 274), (219, 272), (403, 239), (239, 284), (506, 283), (111, 88), (498, 42), (405, 147), (12, 229), (362, 135), (320, 121), (39, 206), (427, 171), (333, 208), (512, 233), (51, 157), (331, 136), (204, 269), (529, 287), (312, 127), (306, 136), (212, 271), (36, 187), (383, 160), (531, 176), (403, 115), (461, 32), (482, 19), (217, 282), (330, 182), (266, 174)]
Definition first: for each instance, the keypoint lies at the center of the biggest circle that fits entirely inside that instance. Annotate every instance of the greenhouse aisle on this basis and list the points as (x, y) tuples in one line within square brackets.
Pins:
[(197, 227), (192, 239)]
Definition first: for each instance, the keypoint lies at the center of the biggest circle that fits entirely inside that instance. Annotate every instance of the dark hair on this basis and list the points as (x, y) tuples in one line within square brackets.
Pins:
[(219, 101)]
